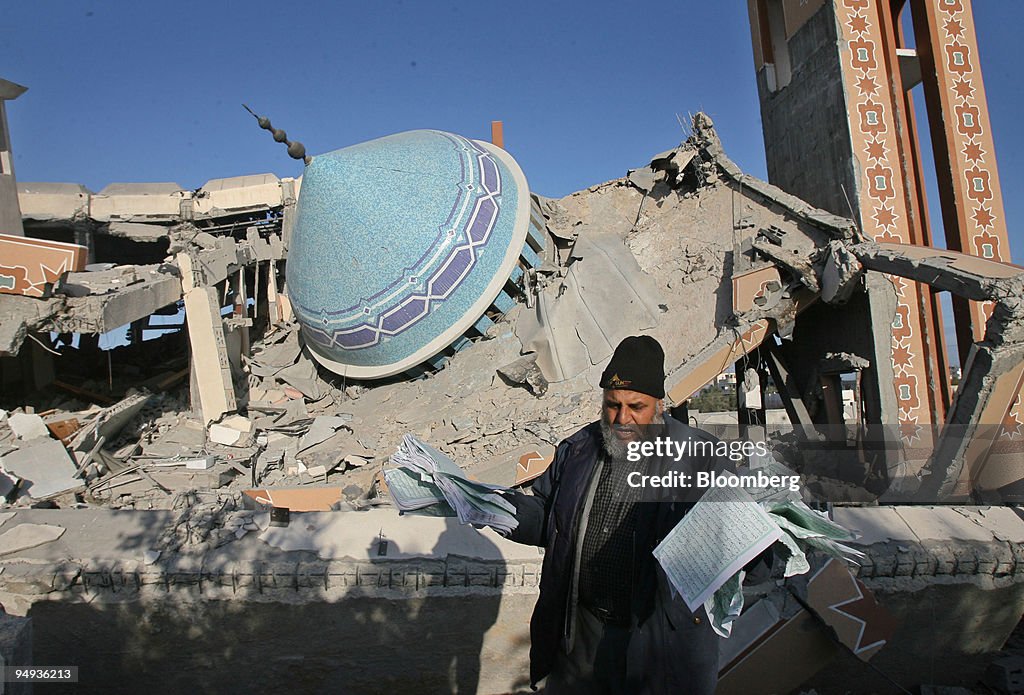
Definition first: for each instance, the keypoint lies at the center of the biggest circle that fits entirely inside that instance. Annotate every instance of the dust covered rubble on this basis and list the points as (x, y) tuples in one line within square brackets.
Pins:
[(679, 225)]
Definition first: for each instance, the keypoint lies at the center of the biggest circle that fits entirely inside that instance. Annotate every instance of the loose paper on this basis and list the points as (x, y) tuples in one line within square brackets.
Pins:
[(425, 481), (724, 531)]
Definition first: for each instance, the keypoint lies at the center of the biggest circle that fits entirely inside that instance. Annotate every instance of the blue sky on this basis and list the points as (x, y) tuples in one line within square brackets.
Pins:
[(142, 91)]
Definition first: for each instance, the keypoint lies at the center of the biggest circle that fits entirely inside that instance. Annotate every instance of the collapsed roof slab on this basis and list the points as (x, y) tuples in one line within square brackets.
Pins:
[(100, 301), (53, 201), (20, 315), (167, 203), (153, 288), (238, 194), (108, 306), (138, 202)]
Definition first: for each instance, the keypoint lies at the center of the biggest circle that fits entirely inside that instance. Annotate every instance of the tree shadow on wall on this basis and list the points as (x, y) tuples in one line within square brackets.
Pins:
[(408, 624)]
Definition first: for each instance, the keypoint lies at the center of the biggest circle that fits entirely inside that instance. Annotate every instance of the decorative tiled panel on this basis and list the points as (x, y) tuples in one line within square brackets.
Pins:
[(972, 159), (975, 178), (881, 196), (27, 265)]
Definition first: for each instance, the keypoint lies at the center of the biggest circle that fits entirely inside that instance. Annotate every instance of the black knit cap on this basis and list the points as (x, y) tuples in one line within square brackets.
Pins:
[(637, 365)]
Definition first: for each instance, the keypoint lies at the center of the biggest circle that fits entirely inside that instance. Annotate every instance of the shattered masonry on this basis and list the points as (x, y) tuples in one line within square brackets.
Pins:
[(201, 430)]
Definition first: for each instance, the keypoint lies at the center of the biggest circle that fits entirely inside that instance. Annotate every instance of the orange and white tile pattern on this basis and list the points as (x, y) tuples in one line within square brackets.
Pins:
[(882, 196)]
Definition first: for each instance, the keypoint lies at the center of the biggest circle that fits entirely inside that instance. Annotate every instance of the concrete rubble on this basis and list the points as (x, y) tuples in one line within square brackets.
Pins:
[(181, 444), (688, 236)]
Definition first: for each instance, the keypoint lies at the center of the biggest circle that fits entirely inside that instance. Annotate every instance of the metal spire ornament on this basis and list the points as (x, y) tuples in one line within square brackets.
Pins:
[(296, 150)]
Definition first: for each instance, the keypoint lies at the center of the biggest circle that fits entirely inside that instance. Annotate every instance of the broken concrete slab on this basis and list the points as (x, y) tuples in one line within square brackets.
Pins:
[(53, 201), (27, 426), (323, 428), (154, 287), (1002, 522), (209, 353), (21, 315), (326, 455), (26, 536), (271, 359), (842, 272), (578, 320), (97, 282), (525, 372), (138, 202), (948, 523), (874, 525), (303, 376), (45, 467), (234, 430)]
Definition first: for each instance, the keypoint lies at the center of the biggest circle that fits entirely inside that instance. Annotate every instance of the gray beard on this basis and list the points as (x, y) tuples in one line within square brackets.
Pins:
[(613, 447), (616, 449)]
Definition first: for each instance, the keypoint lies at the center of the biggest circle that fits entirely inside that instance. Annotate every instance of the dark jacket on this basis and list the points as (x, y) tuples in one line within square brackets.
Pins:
[(671, 649)]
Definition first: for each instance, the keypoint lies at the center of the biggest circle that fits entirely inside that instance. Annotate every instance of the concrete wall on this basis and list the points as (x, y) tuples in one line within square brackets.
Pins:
[(313, 608), (307, 608), (806, 132), (476, 642)]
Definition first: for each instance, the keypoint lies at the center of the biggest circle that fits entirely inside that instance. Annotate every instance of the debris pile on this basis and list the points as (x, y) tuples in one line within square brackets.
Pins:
[(711, 262)]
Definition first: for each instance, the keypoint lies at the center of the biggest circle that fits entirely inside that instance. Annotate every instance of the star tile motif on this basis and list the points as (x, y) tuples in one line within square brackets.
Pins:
[(902, 357), (983, 217), (954, 28), (876, 627), (963, 88), (1012, 426), (973, 152), (909, 430), (885, 216), (858, 23), (867, 86), (876, 149)]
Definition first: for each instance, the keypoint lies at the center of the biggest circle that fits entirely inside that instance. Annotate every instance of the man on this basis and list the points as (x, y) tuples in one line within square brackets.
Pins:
[(606, 620)]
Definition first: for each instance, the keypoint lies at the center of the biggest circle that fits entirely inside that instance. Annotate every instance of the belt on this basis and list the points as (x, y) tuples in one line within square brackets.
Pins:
[(607, 617)]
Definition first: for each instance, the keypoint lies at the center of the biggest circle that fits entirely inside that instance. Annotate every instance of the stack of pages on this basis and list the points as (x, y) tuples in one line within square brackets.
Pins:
[(425, 481), (704, 554)]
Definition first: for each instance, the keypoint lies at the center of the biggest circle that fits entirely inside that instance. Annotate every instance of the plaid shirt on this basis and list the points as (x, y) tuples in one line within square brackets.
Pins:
[(606, 560)]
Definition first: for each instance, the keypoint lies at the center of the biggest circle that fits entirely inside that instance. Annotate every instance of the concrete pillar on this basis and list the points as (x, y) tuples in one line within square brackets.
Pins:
[(835, 136), (43, 373), (210, 364), (84, 236), (10, 211)]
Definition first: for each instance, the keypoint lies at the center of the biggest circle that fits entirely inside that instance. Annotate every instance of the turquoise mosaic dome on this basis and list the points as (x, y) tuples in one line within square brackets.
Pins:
[(399, 247)]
